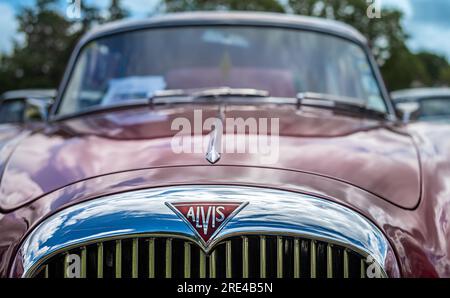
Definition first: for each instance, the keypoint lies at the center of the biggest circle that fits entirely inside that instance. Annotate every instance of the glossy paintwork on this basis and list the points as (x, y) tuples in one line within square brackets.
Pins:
[(358, 151), (419, 237)]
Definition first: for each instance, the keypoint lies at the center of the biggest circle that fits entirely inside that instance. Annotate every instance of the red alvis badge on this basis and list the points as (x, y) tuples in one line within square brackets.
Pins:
[(206, 217)]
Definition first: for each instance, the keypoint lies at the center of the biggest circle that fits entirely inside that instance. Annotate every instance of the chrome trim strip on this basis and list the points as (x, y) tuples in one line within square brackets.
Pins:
[(212, 265), (187, 260), (135, 258), (83, 262), (329, 261), (245, 257), (100, 260), (268, 212), (202, 265), (66, 264), (262, 257), (228, 260), (346, 273), (279, 257), (151, 258), (168, 257), (296, 258), (118, 264), (313, 258)]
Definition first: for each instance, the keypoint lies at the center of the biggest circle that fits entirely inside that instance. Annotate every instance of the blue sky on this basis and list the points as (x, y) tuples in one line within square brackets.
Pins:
[(426, 21)]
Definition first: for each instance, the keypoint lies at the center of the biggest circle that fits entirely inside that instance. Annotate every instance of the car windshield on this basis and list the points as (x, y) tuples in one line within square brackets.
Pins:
[(133, 66), (435, 108)]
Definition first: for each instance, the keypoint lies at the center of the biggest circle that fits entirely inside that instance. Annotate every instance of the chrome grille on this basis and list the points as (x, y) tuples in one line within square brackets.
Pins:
[(250, 256)]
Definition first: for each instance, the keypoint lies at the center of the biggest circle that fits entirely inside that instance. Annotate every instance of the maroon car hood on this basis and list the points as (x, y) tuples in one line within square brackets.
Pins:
[(358, 151)]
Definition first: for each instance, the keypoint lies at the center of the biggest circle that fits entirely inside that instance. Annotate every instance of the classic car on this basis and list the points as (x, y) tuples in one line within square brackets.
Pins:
[(424, 104), (23, 110), (136, 172), (19, 106)]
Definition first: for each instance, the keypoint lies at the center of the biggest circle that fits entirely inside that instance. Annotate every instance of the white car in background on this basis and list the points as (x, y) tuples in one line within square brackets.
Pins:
[(423, 104)]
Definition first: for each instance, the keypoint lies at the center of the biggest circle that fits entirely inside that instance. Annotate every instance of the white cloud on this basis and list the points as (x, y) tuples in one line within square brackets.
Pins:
[(8, 27), (423, 36), (403, 5), (140, 8), (431, 38)]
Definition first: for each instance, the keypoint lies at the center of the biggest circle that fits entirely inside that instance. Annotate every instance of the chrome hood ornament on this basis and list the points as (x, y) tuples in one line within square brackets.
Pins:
[(215, 142), (213, 152)]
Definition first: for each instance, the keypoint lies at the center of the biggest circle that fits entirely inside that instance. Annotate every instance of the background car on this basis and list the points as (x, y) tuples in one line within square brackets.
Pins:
[(424, 104), (19, 106)]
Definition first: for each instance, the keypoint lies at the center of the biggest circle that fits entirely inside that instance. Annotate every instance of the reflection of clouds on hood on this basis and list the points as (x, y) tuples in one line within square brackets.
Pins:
[(34, 245), (11, 194)]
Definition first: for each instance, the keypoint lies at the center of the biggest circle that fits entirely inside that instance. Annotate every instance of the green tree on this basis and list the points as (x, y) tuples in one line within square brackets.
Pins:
[(40, 61), (400, 68), (243, 5), (404, 70), (116, 12), (49, 40), (436, 67), (385, 34)]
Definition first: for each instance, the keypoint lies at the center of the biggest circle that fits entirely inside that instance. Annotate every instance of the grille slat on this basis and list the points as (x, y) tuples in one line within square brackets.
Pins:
[(244, 256), (363, 269), (263, 262), (202, 264), (329, 261), (66, 264), (187, 260), (100, 260), (151, 258), (279, 257), (135, 258), (346, 264), (228, 260), (313, 259), (212, 265), (118, 263), (296, 258), (83, 262), (168, 258)]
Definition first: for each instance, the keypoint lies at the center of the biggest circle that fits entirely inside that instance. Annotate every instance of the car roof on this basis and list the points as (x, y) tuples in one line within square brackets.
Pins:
[(26, 93), (418, 93), (229, 18)]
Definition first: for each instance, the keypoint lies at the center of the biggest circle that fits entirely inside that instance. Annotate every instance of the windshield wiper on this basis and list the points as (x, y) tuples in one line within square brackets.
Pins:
[(180, 95), (310, 99), (335, 102)]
